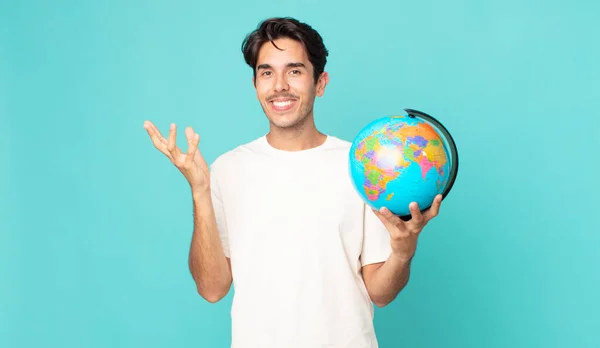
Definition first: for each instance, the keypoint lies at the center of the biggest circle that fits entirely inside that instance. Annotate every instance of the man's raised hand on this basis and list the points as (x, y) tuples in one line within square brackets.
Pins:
[(191, 163)]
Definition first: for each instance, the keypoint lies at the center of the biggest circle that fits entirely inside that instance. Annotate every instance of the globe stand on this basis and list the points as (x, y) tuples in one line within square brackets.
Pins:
[(412, 113)]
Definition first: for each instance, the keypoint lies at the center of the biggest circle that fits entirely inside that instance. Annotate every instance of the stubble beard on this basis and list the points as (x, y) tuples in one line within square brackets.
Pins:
[(294, 124)]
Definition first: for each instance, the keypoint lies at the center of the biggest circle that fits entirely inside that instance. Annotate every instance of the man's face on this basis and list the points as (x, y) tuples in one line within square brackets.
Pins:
[(284, 83)]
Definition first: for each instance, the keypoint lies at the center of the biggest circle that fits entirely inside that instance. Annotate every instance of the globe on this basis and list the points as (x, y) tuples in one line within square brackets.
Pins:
[(399, 159)]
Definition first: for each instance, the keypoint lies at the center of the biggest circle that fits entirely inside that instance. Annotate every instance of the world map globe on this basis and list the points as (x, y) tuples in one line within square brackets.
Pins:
[(399, 159)]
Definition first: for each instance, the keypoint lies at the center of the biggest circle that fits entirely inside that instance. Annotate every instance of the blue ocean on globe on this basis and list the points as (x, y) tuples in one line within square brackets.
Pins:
[(396, 160)]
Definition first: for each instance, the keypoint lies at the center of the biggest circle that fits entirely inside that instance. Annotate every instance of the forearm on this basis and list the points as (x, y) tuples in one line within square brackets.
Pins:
[(207, 261), (388, 280)]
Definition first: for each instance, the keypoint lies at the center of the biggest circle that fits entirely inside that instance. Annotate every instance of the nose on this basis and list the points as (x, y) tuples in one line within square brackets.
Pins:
[(281, 83)]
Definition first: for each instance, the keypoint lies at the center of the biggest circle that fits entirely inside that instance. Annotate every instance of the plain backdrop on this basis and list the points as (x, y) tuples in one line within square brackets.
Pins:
[(95, 223)]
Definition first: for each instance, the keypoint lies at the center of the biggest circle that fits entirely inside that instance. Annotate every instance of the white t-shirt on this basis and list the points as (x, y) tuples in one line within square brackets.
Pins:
[(297, 234)]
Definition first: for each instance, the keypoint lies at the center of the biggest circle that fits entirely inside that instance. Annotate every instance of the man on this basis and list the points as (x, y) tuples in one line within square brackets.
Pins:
[(279, 217)]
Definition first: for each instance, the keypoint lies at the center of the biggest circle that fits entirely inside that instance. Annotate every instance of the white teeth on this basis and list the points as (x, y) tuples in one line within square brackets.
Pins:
[(282, 104)]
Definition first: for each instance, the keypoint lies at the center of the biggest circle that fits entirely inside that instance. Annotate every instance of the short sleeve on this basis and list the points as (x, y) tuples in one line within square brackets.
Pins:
[(376, 239), (217, 201)]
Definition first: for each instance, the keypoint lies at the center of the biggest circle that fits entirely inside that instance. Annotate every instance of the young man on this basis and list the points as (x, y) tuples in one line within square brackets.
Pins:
[(280, 219)]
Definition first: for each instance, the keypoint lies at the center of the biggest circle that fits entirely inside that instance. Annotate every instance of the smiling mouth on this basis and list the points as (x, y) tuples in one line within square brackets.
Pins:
[(282, 105)]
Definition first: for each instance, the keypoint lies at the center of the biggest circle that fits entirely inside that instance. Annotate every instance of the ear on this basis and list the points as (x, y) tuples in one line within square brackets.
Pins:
[(254, 81), (322, 83)]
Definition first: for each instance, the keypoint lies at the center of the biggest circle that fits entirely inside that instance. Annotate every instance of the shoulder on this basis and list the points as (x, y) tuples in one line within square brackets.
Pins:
[(236, 155), (335, 142), (337, 149), (337, 146)]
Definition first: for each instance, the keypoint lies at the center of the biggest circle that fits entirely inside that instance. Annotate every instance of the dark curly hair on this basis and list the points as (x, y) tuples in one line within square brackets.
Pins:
[(280, 27)]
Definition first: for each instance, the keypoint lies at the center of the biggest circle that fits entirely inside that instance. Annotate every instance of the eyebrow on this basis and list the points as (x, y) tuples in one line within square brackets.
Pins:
[(288, 65)]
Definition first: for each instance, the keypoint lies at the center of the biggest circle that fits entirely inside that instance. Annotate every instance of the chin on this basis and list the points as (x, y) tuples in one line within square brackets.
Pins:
[(289, 119), (285, 122)]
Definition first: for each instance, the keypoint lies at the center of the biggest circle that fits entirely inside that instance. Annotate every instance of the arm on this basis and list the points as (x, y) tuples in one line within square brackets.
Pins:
[(385, 280), (210, 268)]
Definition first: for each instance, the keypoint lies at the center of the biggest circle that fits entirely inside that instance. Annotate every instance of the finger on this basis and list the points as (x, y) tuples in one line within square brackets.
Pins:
[(189, 134), (435, 208), (157, 139), (154, 135), (383, 219), (162, 139), (192, 149), (172, 142), (415, 212), (391, 218)]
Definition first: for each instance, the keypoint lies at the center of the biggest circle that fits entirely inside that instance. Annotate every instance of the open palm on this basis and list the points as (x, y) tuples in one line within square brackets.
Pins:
[(191, 163)]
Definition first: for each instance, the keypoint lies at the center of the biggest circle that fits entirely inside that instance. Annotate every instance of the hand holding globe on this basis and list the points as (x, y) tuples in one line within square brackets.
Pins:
[(404, 235), (396, 161)]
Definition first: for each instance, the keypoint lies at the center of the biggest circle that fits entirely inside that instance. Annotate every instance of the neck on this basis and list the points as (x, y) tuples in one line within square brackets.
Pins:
[(297, 138)]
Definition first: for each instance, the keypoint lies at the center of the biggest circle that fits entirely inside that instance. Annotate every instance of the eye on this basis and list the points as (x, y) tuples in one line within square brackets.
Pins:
[(266, 73), (295, 72)]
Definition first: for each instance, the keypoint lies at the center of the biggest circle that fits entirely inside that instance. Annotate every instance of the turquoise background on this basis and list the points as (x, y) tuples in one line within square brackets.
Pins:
[(95, 223)]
